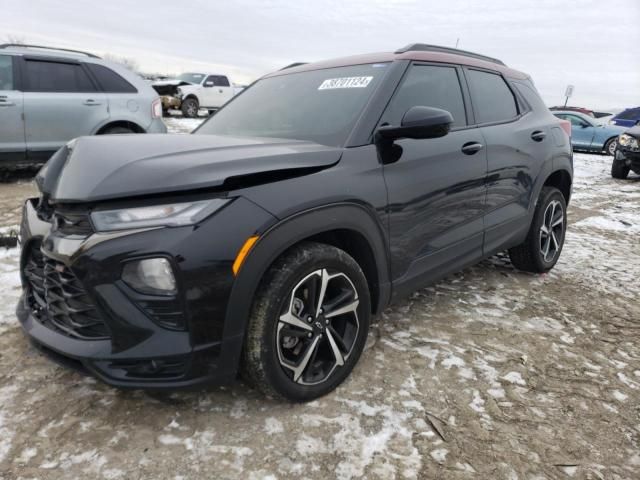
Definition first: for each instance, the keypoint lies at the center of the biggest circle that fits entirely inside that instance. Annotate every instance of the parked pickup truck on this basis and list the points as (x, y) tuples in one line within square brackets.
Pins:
[(190, 92)]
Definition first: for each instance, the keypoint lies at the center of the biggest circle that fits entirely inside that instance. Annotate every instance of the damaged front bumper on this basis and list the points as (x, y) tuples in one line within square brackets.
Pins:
[(629, 156), (169, 101), (76, 309)]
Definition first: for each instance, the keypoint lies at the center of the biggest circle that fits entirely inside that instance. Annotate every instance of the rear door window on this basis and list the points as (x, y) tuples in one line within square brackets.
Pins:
[(492, 99), (428, 86), (6, 73), (109, 80), (576, 121), (49, 76)]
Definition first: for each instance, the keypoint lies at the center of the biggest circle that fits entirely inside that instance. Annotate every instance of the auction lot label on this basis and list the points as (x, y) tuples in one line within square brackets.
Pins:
[(345, 82)]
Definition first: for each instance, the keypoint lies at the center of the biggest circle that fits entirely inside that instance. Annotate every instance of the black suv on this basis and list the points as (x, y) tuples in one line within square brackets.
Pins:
[(266, 240), (627, 155)]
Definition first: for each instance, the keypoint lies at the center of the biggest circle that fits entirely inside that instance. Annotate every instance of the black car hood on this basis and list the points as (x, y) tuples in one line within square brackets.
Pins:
[(99, 168)]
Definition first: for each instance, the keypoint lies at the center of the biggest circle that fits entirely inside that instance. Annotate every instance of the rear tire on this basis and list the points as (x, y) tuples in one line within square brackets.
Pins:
[(542, 247), (190, 108), (292, 350), (619, 170), (610, 146)]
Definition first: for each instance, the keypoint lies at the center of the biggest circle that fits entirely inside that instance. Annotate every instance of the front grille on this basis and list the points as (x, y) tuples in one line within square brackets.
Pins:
[(59, 301)]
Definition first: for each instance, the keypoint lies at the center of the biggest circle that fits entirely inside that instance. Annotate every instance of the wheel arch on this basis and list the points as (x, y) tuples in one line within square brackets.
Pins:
[(193, 96), (562, 180), (349, 226), (120, 123)]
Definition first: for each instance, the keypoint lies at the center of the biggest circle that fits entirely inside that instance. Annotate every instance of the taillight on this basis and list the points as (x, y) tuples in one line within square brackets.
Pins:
[(566, 126), (156, 108)]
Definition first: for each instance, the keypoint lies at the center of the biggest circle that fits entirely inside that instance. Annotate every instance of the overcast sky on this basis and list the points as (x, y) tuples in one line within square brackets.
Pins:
[(592, 44)]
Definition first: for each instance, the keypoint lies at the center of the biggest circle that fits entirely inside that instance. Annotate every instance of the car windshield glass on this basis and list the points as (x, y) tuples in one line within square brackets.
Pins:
[(320, 106), (191, 77)]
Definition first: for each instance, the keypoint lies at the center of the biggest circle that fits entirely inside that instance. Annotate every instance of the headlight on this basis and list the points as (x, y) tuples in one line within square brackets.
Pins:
[(628, 141), (171, 215)]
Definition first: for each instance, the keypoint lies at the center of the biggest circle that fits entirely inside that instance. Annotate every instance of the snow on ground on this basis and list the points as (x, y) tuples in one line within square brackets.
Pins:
[(491, 373)]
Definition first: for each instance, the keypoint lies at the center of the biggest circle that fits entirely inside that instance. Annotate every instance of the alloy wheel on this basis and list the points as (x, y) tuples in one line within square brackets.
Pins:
[(318, 328), (612, 147), (552, 231)]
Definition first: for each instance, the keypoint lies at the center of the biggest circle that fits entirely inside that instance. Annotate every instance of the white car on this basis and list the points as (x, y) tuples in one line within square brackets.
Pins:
[(192, 91)]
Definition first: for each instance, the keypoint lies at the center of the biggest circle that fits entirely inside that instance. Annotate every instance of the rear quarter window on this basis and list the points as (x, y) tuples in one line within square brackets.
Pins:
[(110, 81), (493, 101)]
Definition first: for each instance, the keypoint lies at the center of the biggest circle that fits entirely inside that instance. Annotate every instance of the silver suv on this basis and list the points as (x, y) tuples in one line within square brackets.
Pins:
[(50, 96)]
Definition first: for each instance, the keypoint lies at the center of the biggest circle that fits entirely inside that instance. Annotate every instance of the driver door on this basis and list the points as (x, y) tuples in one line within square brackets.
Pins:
[(436, 189), (582, 132)]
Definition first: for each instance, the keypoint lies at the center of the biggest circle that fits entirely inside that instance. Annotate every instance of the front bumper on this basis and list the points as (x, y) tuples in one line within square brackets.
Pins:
[(630, 157), (140, 351)]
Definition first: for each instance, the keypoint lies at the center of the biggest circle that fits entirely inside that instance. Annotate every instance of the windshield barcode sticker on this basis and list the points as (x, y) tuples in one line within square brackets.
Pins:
[(345, 82)]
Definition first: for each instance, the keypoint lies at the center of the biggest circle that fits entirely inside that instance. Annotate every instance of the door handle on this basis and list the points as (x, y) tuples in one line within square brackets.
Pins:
[(471, 147), (219, 90), (538, 136), (91, 103), (5, 102)]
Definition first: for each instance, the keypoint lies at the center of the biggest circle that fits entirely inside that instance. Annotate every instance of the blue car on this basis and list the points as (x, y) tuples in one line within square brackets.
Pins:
[(590, 136), (627, 118)]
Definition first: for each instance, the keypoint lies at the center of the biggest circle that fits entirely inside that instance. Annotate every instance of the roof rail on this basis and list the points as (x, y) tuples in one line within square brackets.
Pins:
[(292, 65), (41, 47), (423, 47)]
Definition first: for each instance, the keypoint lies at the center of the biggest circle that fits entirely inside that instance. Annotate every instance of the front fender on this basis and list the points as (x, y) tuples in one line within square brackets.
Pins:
[(288, 232)]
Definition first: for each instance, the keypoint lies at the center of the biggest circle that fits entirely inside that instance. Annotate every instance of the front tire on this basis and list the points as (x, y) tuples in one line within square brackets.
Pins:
[(619, 169), (308, 324), (542, 247), (610, 146), (190, 108)]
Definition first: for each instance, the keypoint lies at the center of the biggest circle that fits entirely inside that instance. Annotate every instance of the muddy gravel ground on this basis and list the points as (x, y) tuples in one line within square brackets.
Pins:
[(491, 374)]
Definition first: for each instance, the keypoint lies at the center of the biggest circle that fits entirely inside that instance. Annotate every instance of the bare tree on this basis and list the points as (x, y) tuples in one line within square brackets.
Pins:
[(127, 62)]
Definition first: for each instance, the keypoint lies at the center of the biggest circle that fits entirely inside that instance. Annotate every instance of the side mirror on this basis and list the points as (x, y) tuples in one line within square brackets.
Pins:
[(419, 123), (585, 125), (208, 84)]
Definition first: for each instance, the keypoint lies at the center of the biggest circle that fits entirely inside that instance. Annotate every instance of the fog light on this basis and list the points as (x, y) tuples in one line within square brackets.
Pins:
[(151, 275)]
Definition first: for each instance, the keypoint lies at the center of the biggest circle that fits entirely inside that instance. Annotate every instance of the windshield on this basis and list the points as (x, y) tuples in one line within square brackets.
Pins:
[(191, 77), (319, 106)]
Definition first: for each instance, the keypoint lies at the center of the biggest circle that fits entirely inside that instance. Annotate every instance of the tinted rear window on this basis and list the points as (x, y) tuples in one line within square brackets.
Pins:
[(492, 99), (46, 76), (6, 73), (109, 80)]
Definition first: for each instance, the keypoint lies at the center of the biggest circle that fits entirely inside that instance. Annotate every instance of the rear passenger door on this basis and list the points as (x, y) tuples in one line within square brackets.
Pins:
[(61, 102), (517, 145), (582, 131), (436, 188)]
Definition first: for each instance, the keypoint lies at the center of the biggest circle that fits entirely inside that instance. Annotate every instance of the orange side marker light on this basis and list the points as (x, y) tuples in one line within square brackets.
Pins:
[(242, 254)]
